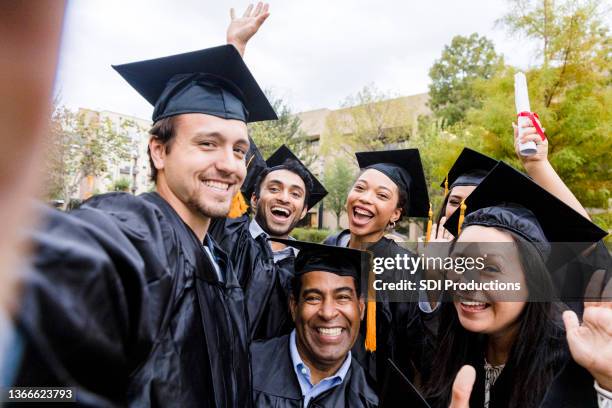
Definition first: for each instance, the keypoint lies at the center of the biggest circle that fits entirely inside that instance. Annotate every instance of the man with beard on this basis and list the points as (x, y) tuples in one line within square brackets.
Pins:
[(129, 301), (282, 190)]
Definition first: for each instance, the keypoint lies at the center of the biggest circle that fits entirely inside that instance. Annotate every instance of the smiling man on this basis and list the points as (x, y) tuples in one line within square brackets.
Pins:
[(313, 365), (282, 191), (130, 301)]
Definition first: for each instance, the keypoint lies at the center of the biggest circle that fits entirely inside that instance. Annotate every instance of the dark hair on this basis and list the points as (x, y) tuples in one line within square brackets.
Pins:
[(292, 166), (296, 287), (536, 356), (442, 211), (163, 131)]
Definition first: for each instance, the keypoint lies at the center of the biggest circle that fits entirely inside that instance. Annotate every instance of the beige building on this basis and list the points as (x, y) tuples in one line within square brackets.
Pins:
[(135, 169)]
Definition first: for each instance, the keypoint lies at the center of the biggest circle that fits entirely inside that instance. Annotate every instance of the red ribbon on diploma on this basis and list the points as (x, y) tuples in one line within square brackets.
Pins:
[(532, 116)]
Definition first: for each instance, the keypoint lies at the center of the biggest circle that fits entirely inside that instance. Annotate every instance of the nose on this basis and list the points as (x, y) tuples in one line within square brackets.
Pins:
[(366, 197), (228, 164), (328, 310)]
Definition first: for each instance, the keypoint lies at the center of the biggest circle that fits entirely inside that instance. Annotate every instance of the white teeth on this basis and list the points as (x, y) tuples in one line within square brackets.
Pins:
[(470, 303), (283, 210), (216, 185), (333, 331), (363, 212)]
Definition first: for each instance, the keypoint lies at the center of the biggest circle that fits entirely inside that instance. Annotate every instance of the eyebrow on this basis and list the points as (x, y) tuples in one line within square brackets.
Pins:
[(217, 135), (379, 187), (276, 181), (336, 291)]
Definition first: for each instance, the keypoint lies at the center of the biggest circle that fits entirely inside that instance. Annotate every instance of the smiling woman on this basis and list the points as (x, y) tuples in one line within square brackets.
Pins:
[(518, 348), (390, 186)]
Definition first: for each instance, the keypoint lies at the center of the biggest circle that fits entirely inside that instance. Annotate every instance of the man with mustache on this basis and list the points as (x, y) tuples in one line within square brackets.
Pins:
[(313, 365), (281, 190), (129, 301)]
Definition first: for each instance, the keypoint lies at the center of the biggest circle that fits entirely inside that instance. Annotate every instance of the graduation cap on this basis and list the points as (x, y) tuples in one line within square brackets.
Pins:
[(510, 200), (405, 169), (214, 81), (338, 260), (277, 161), (469, 169)]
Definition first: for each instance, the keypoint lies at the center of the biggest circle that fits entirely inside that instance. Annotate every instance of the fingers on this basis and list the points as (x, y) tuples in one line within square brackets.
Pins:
[(247, 12), (533, 138), (462, 387), (258, 9), (515, 129), (232, 14), (570, 319)]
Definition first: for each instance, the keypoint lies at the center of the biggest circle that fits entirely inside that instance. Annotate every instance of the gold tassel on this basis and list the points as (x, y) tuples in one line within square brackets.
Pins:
[(238, 206), (461, 216), (446, 186), (370, 340), (429, 224)]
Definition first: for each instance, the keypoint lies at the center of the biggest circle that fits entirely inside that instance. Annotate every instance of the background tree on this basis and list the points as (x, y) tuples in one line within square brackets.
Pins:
[(272, 134), (82, 145), (338, 179), (571, 91), (452, 76), (369, 120)]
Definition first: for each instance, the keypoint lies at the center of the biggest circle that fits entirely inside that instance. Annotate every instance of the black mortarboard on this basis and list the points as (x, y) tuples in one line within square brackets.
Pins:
[(405, 169), (214, 81), (510, 200), (276, 162), (469, 169), (328, 258)]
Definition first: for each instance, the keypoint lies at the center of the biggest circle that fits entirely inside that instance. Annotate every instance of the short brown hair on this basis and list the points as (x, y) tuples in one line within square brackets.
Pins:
[(164, 131)]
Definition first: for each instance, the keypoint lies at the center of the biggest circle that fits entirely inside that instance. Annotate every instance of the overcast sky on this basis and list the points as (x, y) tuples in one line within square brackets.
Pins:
[(313, 53)]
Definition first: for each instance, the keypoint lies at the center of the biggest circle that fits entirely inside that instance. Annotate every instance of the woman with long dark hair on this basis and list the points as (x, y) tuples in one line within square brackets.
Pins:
[(519, 346)]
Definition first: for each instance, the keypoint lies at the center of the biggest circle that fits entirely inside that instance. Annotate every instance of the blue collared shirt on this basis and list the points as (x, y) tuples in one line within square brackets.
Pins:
[(302, 372), (256, 230)]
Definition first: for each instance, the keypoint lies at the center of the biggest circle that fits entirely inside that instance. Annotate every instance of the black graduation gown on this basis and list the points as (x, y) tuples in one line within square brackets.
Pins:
[(266, 284), (275, 383), (399, 325), (123, 304)]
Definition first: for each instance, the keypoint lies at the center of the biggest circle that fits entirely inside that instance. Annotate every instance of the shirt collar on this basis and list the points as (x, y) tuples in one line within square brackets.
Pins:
[(302, 370), (256, 230)]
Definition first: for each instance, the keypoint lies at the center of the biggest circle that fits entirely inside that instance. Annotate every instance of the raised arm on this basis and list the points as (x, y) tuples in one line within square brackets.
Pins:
[(541, 171), (241, 29)]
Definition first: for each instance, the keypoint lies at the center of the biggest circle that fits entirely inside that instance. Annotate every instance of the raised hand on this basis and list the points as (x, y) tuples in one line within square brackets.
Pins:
[(241, 29), (462, 387), (530, 135), (591, 342)]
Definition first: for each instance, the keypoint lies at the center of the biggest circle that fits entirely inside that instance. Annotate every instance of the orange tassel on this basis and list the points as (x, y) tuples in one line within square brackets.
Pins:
[(238, 206), (461, 216), (446, 186), (429, 224), (370, 340)]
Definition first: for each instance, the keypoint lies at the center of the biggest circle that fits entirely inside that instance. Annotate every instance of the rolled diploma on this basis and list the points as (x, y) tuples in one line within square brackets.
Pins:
[(521, 100)]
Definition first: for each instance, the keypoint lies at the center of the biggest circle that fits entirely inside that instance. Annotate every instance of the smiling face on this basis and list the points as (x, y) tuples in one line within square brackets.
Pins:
[(327, 316), (203, 166), (479, 311), (372, 204), (281, 204), (455, 196)]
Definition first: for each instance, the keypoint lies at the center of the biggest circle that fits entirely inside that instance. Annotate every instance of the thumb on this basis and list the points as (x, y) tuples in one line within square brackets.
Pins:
[(462, 387), (570, 320)]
